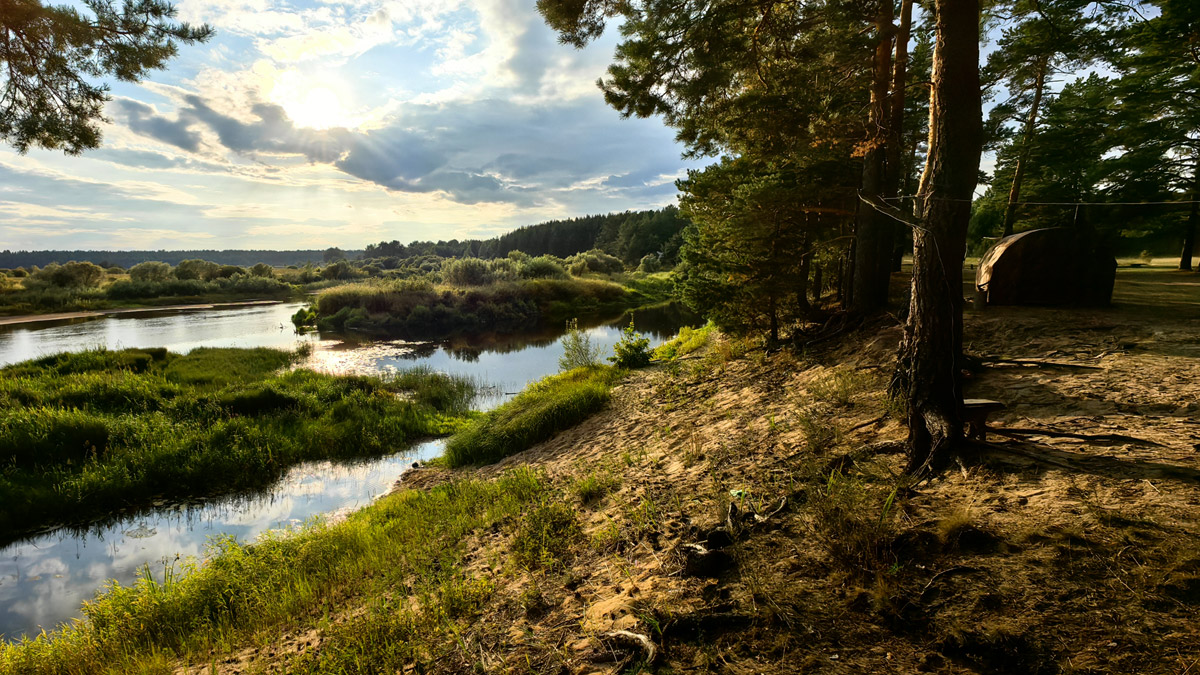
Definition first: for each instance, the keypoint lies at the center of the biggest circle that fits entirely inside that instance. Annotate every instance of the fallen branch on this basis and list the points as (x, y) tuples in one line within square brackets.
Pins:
[(634, 640)]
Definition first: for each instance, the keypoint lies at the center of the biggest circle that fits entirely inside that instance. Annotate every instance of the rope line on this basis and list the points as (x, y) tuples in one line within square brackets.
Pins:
[(947, 199)]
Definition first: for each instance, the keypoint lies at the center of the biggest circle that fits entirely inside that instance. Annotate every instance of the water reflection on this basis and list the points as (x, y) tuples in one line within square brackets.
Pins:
[(45, 579)]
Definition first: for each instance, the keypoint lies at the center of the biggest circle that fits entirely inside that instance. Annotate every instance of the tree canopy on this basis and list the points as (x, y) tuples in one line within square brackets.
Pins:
[(53, 57)]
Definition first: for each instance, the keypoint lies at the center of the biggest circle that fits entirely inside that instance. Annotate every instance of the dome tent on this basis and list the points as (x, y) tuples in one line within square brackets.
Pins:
[(1056, 266)]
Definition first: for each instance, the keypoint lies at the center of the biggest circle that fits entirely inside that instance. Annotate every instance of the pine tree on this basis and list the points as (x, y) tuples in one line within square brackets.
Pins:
[(52, 57)]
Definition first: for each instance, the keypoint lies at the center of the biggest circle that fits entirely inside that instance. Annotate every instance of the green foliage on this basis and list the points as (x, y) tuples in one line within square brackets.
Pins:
[(203, 270), (305, 316), (632, 350), (542, 410), (262, 270), (578, 350), (69, 275), (150, 271), (466, 272), (594, 261), (81, 434), (55, 55), (545, 536), (543, 267), (687, 341), (649, 264), (419, 309)]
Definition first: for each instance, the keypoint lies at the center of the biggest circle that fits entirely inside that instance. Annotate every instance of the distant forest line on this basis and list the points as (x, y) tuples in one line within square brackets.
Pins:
[(630, 235)]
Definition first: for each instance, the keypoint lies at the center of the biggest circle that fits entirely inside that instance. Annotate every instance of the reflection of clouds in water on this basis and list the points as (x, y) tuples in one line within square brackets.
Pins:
[(84, 561), (73, 565)]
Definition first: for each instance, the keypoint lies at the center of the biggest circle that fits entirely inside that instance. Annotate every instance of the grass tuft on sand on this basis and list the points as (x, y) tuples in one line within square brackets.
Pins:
[(543, 409)]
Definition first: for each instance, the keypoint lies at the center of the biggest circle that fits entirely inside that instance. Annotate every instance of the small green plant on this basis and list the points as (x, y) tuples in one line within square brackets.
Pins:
[(593, 487), (818, 428), (545, 536), (854, 526), (578, 350), (632, 351)]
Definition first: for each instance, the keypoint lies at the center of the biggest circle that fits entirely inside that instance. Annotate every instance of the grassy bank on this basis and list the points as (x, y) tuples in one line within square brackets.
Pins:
[(543, 409), (406, 545), (85, 434), (122, 292), (423, 310)]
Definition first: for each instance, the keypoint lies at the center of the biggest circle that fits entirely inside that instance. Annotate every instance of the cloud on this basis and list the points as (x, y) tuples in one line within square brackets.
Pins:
[(145, 120)]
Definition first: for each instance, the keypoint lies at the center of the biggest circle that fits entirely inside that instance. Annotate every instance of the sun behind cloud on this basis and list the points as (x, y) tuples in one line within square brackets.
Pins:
[(314, 102)]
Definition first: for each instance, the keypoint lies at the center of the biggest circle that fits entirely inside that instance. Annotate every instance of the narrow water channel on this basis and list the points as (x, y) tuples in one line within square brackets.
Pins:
[(44, 580)]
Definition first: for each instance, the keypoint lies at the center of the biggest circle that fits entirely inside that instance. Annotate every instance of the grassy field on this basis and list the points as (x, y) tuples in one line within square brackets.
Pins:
[(423, 310), (18, 298), (85, 434)]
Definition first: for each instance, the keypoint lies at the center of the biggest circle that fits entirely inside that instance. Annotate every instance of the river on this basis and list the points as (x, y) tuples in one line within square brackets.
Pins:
[(45, 579)]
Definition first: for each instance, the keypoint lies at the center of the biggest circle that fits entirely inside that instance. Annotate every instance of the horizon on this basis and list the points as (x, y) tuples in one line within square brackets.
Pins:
[(303, 125)]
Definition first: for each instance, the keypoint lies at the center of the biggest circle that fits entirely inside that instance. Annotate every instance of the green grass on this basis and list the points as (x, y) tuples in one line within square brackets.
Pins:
[(688, 341), (543, 409), (85, 434), (422, 310), (406, 544), (20, 300)]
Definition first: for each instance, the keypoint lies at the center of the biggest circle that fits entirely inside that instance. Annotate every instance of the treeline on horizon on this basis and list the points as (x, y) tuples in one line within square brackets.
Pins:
[(630, 235)]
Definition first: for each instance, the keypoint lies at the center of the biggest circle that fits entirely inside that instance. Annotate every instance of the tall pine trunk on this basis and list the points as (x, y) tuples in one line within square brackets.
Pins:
[(931, 354), (895, 145), (1014, 192), (873, 232), (1189, 228)]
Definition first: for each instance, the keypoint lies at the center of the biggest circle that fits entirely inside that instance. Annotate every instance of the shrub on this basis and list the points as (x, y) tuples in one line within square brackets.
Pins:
[(649, 264), (596, 261), (632, 351), (150, 271), (262, 270), (226, 271), (19, 273), (71, 275), (578, 350), (305, 316), (543, 267), (196, 269), (466, 272), (338, 270)]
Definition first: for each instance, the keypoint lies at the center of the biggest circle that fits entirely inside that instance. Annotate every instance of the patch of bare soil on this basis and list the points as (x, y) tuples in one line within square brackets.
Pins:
[(724, 529)]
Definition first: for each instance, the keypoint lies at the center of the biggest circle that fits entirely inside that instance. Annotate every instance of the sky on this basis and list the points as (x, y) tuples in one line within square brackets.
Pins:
[(308, 124)]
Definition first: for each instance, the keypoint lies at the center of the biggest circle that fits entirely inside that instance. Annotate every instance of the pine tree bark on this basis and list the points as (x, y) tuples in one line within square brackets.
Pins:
[(1014, 192), (895, 146), (1189, 228), (873, 232), (930, 361)]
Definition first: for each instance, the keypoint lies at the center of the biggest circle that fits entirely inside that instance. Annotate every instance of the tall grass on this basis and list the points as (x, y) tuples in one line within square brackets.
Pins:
[(419, 309), (406, 543), (83, 434), (543, 409)]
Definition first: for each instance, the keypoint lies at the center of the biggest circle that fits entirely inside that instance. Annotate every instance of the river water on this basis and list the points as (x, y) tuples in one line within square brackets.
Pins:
[(45, 579)]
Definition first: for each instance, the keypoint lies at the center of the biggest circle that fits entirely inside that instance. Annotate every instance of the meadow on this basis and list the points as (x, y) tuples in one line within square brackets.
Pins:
[(421, 309), (88, 434)]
